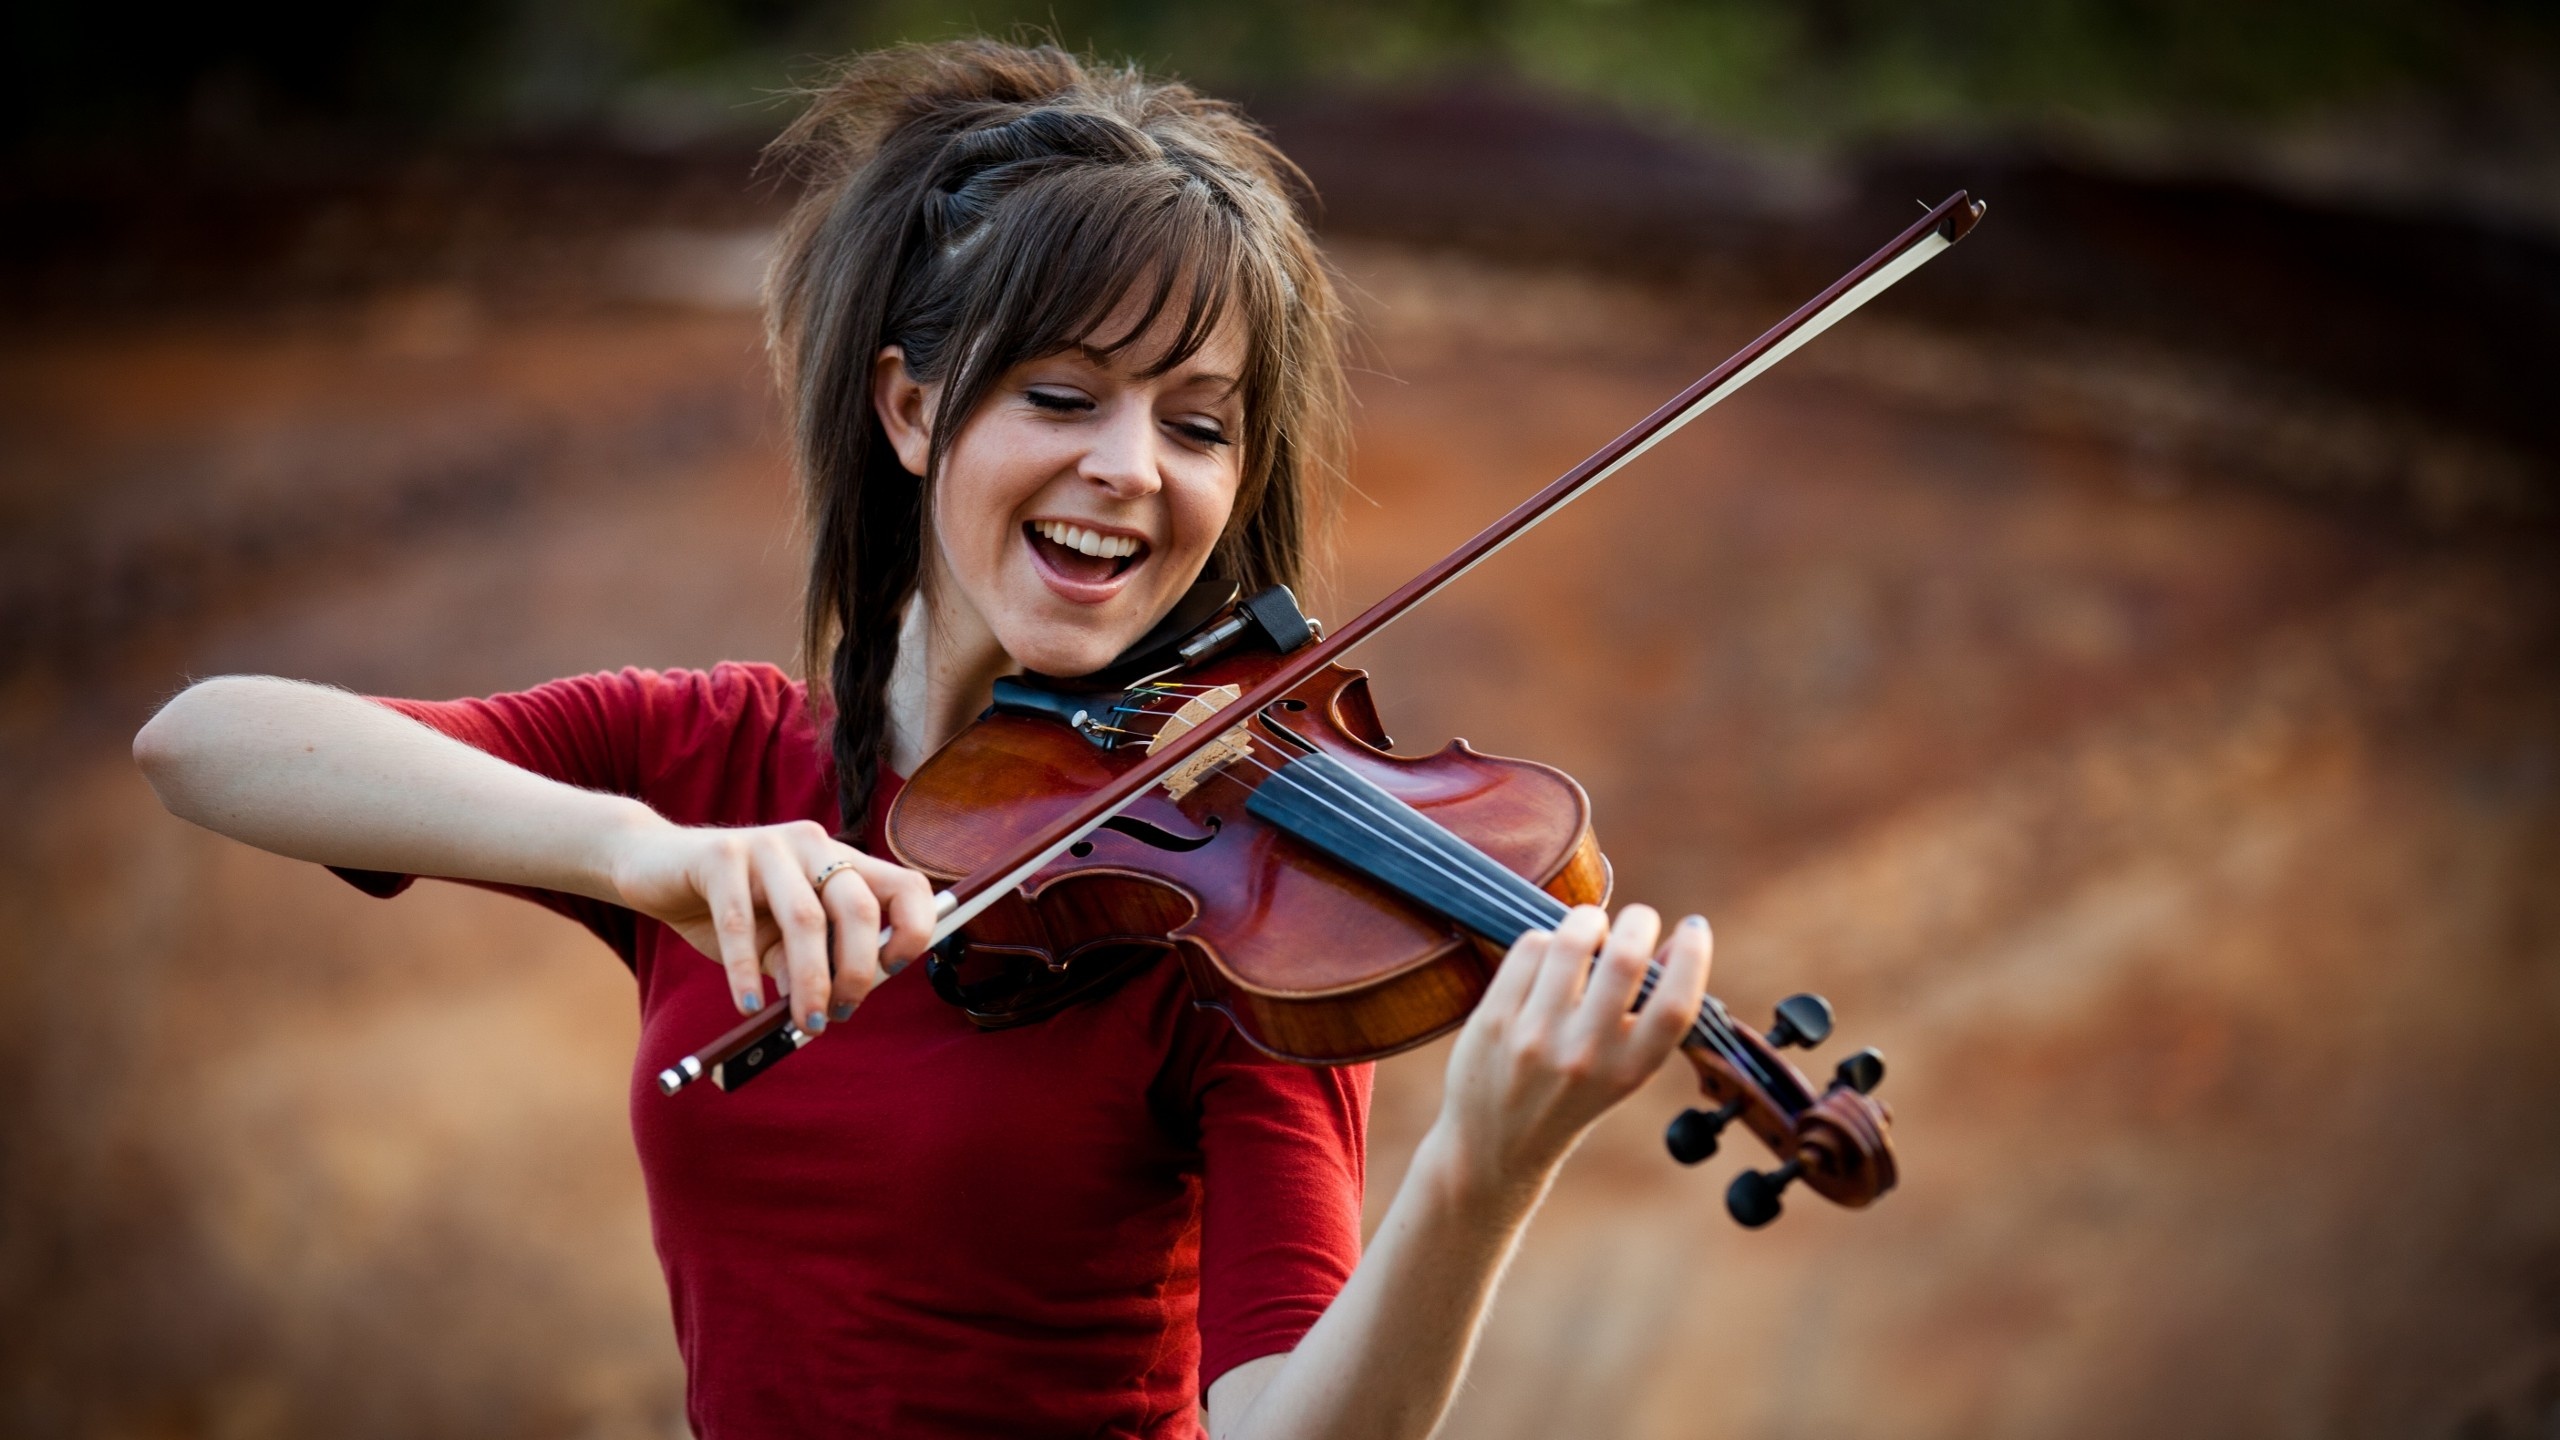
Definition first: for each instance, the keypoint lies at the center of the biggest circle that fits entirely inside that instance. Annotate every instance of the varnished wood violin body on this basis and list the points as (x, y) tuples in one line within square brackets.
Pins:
[(1314, 961), (1356, 915)]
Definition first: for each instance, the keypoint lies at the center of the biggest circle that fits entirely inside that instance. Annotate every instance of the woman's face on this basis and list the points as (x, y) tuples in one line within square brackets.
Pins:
[(1081, 500)]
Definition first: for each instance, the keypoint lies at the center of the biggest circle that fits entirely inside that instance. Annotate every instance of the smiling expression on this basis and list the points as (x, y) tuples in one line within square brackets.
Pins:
[(1081, 499)]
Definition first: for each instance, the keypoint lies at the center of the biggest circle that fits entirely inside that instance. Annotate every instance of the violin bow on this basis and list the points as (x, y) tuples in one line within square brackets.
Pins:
[(759, 1039)]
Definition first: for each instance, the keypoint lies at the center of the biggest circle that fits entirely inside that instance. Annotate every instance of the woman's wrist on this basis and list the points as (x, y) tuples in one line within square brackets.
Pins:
[(626, 824), (1470, 1186)]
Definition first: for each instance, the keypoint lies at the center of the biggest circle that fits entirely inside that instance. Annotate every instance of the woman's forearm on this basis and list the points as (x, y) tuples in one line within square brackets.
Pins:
[(1386, 1358), (319, 774), (1556, 1040)]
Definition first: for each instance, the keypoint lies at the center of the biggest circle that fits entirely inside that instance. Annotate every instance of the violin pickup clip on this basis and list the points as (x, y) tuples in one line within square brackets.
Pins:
[(1272, 617)]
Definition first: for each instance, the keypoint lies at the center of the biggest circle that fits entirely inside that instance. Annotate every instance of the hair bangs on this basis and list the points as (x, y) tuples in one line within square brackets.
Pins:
[(1167, 232), (1066, 255), (1195, 251)]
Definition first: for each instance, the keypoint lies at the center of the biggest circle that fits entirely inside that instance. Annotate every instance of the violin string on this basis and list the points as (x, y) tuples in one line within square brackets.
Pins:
[(1511, 905), (1704, 1026), (1709, 1025)]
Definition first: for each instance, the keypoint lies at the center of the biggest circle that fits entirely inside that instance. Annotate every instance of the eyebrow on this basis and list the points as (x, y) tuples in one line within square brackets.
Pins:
[(1101, 360)]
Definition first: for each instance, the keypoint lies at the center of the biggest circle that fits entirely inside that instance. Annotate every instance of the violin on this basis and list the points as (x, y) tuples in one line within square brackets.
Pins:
[(1226, 794)]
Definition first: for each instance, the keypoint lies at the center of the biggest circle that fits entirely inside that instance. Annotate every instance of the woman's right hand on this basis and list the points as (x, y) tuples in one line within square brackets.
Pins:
[(744, 898)]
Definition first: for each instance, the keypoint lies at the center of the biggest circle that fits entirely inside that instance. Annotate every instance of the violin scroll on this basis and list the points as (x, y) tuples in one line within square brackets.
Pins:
[(1839, 1142)]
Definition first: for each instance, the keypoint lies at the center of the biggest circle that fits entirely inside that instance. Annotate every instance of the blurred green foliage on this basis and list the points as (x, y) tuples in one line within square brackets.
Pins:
[(1802, 70)]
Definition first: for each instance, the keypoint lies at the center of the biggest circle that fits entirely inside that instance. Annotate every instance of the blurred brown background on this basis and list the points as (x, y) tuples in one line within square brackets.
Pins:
[(2117, 669)]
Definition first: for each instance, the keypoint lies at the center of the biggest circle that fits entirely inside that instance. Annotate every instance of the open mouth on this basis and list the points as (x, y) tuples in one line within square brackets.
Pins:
[(1082, 556)]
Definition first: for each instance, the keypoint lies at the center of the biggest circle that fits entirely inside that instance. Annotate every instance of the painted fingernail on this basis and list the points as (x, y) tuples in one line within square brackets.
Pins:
[(815, 1023), (841, 1013), (750, 1001), (1694, 922)]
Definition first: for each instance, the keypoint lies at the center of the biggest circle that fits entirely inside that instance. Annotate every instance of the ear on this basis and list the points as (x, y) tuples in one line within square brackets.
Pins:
[(905, 407)]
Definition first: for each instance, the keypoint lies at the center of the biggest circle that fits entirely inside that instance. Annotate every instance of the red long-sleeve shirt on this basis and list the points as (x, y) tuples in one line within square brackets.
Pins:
[(913, 1226)]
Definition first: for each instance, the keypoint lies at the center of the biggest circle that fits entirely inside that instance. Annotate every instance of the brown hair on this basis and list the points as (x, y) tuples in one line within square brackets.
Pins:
[(979, 205)]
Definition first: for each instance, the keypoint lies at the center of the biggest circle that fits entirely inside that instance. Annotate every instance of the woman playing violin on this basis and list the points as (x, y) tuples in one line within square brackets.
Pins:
[(1056, 342)]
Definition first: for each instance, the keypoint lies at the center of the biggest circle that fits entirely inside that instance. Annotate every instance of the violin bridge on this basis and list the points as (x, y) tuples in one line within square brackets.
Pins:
[(1186, 777)]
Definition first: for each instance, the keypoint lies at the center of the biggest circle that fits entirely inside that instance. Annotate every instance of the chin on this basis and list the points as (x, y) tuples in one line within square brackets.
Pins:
[(1068, 652)]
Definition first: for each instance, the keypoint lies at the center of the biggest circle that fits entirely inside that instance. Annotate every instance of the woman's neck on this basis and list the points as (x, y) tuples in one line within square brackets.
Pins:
[(948, 664)]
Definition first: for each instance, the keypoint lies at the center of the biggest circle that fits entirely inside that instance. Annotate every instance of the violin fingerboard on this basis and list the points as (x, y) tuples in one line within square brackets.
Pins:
[(1330, 807)]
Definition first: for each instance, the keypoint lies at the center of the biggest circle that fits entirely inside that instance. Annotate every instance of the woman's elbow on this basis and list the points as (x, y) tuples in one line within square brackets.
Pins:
[(174, 743)]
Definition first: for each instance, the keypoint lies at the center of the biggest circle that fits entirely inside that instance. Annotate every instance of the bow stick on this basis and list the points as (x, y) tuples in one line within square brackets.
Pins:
[(1949, 221)]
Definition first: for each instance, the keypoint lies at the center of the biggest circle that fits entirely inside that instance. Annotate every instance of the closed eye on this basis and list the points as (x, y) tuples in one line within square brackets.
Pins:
[(1198, 433), (1058, 401)]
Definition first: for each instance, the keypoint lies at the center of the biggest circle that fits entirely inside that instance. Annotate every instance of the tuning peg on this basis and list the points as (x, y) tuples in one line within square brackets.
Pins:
[(1861, 1072), (1802, 1020), (1691, 1135), (1752, 1198)]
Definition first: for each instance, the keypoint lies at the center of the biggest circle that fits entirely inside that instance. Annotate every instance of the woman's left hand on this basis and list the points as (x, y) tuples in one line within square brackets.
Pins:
[(1554, 1043)]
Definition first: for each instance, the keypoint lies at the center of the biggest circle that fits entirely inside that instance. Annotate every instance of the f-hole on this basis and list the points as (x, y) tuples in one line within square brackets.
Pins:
[(1158, 836)]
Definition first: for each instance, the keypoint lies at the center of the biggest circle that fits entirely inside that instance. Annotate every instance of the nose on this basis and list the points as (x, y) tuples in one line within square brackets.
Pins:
[(1122, 457)]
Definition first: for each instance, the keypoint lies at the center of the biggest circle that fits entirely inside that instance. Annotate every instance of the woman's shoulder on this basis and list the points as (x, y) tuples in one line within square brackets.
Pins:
[(656, 708), (723, 745), (730, 690)]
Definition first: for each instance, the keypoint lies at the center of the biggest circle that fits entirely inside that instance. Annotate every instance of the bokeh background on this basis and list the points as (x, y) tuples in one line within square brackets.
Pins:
[(2118, 668)]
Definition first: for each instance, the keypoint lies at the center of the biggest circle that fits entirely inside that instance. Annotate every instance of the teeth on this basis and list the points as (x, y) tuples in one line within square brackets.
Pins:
[(1076, 537)]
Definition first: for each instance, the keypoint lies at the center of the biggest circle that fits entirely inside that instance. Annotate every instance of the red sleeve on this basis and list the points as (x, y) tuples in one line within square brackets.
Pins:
[(1284, 1153), (583, 731)]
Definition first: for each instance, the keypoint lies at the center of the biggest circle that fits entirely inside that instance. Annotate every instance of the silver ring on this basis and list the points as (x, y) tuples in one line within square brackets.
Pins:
[(818, 882)]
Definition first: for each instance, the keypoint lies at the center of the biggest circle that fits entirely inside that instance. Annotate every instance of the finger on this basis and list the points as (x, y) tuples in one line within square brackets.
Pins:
[(856, 940), (733, 920), (902, 896), (1676, 996), (1569, 954), (1511, 978), (852, 925), (907, 898), (904, 900), (1620, 971), (803, 923)]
